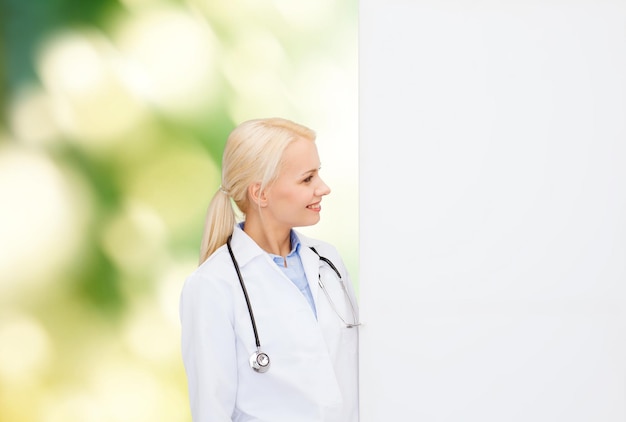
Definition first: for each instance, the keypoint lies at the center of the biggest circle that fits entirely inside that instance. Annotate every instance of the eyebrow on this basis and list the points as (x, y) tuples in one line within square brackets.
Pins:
[(312, 170)]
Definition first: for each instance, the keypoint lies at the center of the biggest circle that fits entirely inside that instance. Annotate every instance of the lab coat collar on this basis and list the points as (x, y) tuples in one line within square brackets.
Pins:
[(247, 249), (308, 241), (244, 247)]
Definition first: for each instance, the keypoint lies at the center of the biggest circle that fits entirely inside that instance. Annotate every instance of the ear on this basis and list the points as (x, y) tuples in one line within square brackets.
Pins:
[(257, 195)]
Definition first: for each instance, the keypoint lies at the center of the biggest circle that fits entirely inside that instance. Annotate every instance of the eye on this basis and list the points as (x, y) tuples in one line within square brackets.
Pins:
[(308, 179)]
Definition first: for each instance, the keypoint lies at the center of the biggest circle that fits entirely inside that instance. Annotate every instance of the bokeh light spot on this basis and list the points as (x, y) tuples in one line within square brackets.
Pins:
[(31, 104), (150, 336), (82, 73), (41, 219), (25, 348), (173, 54), (135, 238)]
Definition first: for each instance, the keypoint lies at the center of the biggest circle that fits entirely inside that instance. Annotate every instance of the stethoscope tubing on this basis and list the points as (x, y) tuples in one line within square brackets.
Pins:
[(343, 287), (245, 293)]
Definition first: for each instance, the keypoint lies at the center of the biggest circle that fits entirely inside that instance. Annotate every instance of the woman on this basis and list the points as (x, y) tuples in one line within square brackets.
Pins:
[(291, 354)]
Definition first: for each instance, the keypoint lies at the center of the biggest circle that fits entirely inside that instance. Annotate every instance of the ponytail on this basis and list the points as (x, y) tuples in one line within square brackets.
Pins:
[(219, 223)]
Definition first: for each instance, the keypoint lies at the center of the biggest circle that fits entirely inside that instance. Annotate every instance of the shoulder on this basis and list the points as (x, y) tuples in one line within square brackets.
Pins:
[(207, 295), (218, 270), (212, 277)]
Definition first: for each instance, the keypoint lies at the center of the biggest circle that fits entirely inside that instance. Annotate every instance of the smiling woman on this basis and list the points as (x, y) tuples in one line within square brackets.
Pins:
[(271, 173)]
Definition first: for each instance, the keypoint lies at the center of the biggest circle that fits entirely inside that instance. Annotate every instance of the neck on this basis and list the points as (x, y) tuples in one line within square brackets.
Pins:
[(271, 240)]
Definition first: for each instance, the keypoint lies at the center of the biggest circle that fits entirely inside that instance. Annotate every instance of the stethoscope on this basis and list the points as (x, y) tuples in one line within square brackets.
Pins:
[(260, 361)]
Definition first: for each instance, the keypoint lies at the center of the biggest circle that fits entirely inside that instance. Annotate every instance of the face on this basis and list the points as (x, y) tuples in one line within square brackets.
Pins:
[(294, 199)]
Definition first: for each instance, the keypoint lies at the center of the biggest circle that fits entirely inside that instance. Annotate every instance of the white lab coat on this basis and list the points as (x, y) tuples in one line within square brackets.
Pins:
[(313, 375)]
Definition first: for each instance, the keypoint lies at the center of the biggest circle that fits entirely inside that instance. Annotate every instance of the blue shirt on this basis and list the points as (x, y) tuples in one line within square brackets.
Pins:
[(292, 267)]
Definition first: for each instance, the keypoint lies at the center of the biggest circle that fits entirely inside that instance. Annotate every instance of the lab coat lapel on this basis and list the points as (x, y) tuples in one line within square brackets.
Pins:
[(310, 262)]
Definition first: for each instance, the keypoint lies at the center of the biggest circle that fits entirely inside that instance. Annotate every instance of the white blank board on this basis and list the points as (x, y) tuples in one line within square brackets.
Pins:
[(493, 211)]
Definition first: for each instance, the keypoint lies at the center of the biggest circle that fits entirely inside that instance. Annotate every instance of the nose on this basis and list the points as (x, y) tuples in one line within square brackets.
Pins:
[(322, 189)]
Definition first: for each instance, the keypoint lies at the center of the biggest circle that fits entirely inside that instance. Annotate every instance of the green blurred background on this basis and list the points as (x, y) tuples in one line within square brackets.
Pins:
[(114, 116)]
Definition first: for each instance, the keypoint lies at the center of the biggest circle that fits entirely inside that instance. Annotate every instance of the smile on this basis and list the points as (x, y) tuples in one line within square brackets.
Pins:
[(315, 207)]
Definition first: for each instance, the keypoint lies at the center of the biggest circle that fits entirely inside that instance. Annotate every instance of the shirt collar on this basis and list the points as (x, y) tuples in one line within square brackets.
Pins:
[(295, 243)]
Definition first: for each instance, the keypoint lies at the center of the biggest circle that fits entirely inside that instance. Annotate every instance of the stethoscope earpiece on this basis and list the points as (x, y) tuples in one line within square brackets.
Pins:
[(260, 361)]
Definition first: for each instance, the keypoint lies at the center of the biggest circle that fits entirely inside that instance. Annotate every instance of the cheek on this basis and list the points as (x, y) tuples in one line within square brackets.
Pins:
[(288, 195), (290, 199), (283, 202)]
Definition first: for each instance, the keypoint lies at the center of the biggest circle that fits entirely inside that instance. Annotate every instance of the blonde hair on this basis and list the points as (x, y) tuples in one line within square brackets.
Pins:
[(252, 154)]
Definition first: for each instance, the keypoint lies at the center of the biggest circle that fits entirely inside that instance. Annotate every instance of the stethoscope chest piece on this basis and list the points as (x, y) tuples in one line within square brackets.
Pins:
[(260, 361)]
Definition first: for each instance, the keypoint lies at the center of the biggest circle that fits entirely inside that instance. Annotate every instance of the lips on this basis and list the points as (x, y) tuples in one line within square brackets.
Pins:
[(315, 207)]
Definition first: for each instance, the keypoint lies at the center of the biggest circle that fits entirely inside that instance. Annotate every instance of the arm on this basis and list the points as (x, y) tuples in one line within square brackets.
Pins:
[(208, 348)]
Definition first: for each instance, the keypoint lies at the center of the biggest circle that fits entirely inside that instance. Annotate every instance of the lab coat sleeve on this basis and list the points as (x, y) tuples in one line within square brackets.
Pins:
[(208, 348)]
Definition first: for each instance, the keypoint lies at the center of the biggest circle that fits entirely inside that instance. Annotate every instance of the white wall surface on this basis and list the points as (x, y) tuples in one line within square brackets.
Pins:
[(493, 210)]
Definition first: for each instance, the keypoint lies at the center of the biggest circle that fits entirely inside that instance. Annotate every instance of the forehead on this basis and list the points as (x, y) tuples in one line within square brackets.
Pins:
[(300, 156)]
